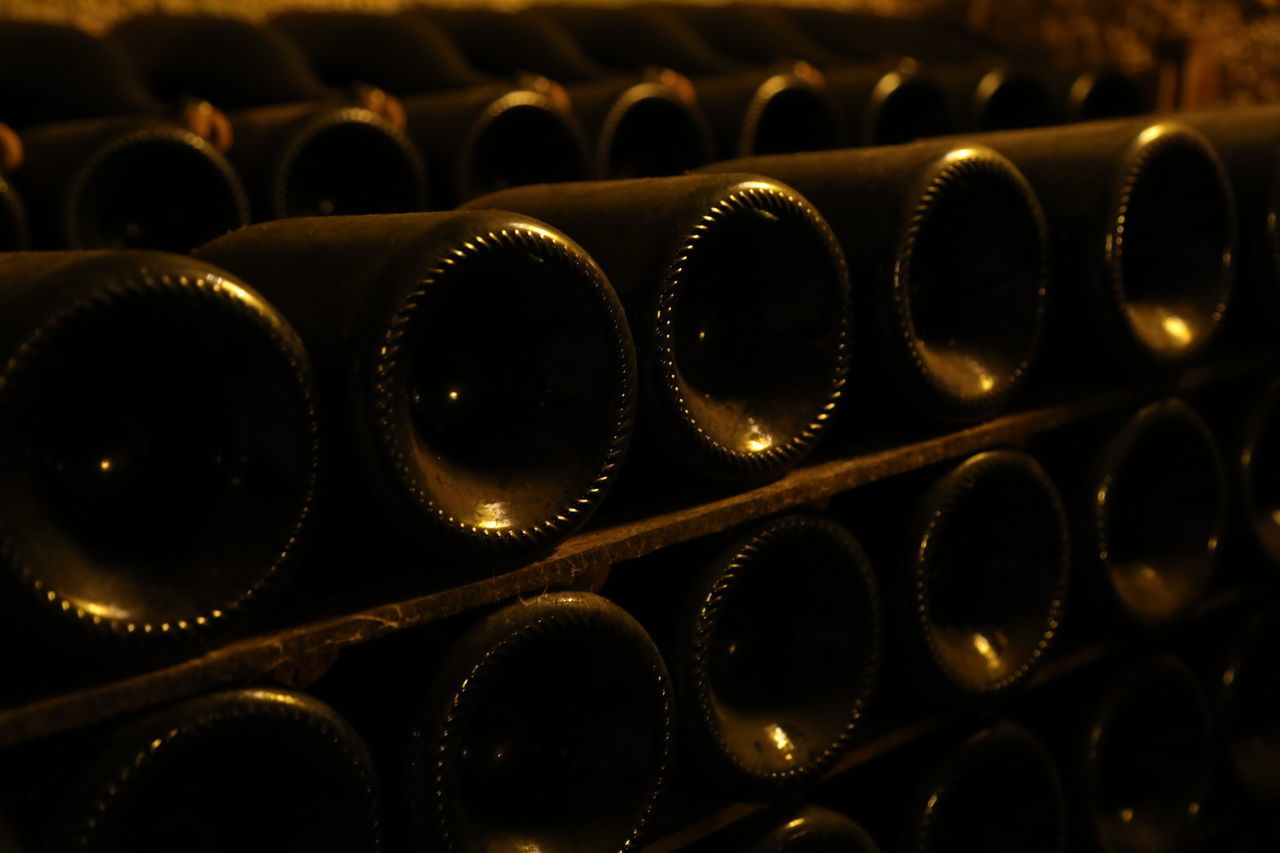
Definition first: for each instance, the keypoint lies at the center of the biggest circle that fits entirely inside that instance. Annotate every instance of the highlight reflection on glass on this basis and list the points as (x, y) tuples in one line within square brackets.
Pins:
[(780, 739), (492, 515)]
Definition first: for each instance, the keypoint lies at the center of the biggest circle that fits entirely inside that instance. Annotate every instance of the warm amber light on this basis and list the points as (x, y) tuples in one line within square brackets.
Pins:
[(958, 154), (990, 656), (492, 516), (757, 438), (1177, 329), (103, 611), (105, 464), (781, 740)]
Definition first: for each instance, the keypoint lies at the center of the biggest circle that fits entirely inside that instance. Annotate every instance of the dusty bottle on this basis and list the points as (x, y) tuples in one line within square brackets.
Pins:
[(127, 183), (772, 688), (751, 111), (1142, 758), (475, 367), (948, 245), (1248, 139), (1144, 239), (993, 87), (302, 148), (1000, 791), (988, 564), (549, 726), (252, 770), (163, 489), (479, 135), (105, 164), (881, 103), (741, 372), (642, 126), (985, 89), (1096, 93), (1156, 509)]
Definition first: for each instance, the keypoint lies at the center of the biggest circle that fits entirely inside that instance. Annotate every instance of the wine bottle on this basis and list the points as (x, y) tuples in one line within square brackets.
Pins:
[(987, 570), (1248, 139), (251, 770), (1156, 508), (751, 111), (302, 150), (771, 688), (1248, 706), (642, 127), (999, 791), (739, 300), (127, 183), (948, 242), (985, 89), (476, 369), (1144, 239), (105, 165), (549, 726), (989, 96), (1096, 93), (882, 104), (1142, 760), (484, 136), (162, 491)]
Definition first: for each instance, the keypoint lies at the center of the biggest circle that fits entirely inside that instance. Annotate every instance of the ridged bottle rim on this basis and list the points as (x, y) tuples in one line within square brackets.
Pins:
[(968, 162), (389, 362), (638, 94), (520, 99), (1003, 735), (470, 669), (322, 123), (992, 83), (161, 733), (150, 133), (936, 509), (1090, 80), (716, 584), (763, 97), (209, 285), (1111, 459), (776, 199), (892, 85), (1135, 680), (1149, 146)]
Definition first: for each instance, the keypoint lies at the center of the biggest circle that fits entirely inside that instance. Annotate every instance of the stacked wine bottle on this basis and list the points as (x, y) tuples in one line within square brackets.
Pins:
[(668, 427)]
